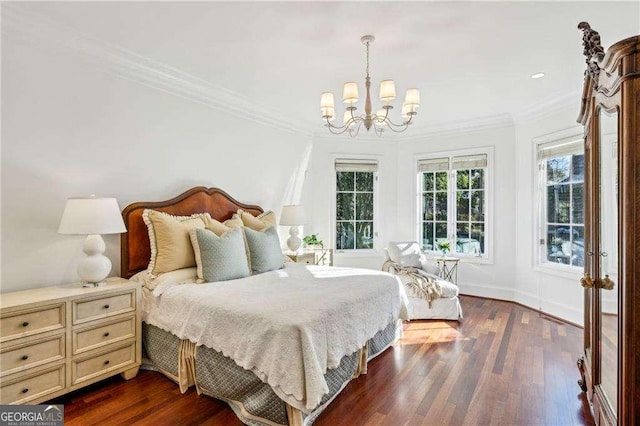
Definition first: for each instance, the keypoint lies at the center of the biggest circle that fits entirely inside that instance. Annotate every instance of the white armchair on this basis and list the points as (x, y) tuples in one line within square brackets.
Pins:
[(404, 255)]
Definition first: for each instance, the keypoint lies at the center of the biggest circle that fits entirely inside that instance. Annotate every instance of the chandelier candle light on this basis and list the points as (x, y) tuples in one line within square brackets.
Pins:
[(380, 120)]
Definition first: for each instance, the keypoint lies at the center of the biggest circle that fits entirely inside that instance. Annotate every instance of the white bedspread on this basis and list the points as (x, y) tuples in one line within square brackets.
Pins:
[(288, 326)]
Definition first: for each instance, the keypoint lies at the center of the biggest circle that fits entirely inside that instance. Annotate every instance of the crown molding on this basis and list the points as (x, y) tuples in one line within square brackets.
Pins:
[(455, 128), (550, 107), (40, 32)]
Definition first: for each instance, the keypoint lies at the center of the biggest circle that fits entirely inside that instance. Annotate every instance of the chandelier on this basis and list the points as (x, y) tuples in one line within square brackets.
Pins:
[(380, 121)]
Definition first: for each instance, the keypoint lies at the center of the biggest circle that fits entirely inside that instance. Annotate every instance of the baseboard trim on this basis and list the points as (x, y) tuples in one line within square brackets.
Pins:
[(539, 311)]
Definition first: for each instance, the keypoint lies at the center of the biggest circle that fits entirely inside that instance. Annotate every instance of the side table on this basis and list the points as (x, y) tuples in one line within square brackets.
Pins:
[(448, 268)]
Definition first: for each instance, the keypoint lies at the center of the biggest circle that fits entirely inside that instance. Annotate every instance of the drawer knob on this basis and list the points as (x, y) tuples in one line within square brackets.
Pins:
[(106, 334), (25, 390), (106, 306), (25, 357), (25, 324), (106, 362)]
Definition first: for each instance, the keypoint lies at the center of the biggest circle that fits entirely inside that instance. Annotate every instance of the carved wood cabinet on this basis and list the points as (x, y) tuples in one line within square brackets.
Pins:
[(610, 365)]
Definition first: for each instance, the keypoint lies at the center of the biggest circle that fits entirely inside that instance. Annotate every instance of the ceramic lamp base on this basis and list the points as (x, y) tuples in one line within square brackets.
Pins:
[(294, 242), (95, 266)]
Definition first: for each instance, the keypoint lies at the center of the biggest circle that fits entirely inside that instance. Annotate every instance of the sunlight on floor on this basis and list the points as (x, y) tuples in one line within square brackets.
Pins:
[(418, 333)]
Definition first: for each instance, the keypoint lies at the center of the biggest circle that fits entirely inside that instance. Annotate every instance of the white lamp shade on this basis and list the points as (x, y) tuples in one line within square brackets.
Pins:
[(326, 100), (406, 109), (293, 215), (85, 216), (387, 90), (350, 93), (328, 113), (412, 98)]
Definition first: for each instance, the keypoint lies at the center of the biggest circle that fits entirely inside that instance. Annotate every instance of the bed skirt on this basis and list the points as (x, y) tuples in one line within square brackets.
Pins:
[(253, 401)]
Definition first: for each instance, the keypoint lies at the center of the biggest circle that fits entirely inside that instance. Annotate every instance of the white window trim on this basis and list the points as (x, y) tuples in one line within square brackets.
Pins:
[(487, 257), (377, 236), (539, 262)]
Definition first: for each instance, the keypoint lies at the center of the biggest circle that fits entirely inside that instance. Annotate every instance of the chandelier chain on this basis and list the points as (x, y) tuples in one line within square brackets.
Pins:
[(367, 44)]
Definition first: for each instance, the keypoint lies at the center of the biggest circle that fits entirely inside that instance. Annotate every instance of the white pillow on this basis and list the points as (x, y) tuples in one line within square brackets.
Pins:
[(406, 253), (179, 276)]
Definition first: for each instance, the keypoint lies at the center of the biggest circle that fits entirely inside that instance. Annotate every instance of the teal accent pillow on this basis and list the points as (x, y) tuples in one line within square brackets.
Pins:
[(220, 258), (265, 253)]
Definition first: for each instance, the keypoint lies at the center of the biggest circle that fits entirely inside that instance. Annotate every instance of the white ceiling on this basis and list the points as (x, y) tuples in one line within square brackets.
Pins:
[(470, 60)]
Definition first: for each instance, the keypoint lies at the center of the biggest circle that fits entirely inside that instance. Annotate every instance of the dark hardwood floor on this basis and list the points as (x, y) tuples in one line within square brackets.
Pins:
[(503, 364)]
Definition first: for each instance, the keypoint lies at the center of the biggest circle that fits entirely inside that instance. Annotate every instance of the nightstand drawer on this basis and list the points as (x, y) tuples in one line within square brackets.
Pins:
[(31, 354), (89, 368), (88, 310), (29, 387), (103, 334), (31, 321)]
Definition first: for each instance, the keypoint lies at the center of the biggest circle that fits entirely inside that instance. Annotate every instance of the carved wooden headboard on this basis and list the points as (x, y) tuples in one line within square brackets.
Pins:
[(134, 244)]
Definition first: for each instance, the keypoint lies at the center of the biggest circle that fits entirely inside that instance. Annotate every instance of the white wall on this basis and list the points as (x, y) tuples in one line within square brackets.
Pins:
[(483, 279), (559, 294), (70, 129)]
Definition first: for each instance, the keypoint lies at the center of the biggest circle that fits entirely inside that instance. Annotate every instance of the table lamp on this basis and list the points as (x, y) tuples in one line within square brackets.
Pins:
[(293, 216), (92, 216)]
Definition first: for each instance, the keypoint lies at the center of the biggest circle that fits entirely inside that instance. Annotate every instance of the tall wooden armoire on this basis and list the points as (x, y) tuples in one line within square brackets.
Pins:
[(610, 366)]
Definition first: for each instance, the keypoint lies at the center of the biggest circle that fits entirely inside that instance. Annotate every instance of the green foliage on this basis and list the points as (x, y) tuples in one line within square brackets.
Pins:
[(312, 240), (444, 246)]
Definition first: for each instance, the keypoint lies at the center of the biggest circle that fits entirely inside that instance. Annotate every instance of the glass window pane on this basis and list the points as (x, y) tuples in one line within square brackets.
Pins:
[(477, 206), (441, 181), (427, 236), (441, 206), (345, 206), (558, 244), (558, 203), (364, 206), (364, 181), (577, 203), (427, 206), (344, 236), (462, 237), (476, 240), (577, 246), (577, 167), (427, 181), (441, 231), (462, 179), (462, 205), (364, 235), (345, 181), (477, 179), (558, 169)]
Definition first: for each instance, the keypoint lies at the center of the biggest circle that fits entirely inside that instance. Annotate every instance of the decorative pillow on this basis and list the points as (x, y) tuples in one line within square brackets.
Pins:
[(234, 222), (265, 253), (405, 253), (257, 223), (169, 238), (217, 227), (220, 258)]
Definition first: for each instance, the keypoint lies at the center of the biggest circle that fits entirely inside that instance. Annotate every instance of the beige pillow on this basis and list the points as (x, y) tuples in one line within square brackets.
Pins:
[(170, 243), (234, 222), (259, 223), (217, 227)]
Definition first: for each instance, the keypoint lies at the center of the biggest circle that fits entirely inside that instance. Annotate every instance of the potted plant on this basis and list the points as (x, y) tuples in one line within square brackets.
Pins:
[(313, 241), (444, 247)]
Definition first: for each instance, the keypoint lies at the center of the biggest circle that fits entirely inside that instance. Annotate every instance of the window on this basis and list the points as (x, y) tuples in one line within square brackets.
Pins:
[(561, 198), (356, 183), (452, 202)]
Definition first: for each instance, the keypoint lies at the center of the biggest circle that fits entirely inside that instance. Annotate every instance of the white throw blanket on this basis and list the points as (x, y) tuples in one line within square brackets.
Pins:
[(288, 326)]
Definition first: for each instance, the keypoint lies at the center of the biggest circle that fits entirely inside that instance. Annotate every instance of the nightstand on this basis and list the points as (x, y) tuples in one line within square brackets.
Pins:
[(59, 339), (308, 258)]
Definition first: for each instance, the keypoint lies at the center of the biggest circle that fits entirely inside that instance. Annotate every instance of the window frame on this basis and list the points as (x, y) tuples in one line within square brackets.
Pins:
[(539, 186), (487, 257), (376, 202)]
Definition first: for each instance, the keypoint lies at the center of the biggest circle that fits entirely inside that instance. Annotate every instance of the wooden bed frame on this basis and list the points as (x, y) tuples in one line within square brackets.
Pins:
[(135, 248)]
